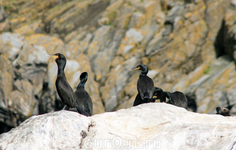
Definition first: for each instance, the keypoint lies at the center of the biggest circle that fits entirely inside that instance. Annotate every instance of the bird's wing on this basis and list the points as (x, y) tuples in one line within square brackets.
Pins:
[(65, 92)]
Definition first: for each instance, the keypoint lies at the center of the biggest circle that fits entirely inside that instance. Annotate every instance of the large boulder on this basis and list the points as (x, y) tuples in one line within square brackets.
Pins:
[(147, 126), (181, 41)]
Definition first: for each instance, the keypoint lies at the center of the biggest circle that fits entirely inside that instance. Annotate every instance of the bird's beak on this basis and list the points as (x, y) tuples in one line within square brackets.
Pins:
[(53, 56), (154, 97), (136, 68)]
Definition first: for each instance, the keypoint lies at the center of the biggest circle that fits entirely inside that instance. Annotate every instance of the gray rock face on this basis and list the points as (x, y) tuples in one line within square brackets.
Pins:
[(147, 126)]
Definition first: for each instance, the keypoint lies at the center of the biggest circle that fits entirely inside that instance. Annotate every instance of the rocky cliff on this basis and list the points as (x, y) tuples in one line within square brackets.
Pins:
[(148, 126), (187, 45)]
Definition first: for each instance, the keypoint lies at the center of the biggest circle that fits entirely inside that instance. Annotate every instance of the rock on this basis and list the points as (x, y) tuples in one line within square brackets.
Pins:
[(109, 14), (31, 64), (122, 16), (3, 14), (233, 2), (134, 35), (5, 26), (12, 44), (36, 27), (116, 82), (141, 127), (74, 15), (179, 40), (201, 81), (173, 13), (134, 20), (104, 45), (51, 44), (72, 131), (6, 81), (22, 100)]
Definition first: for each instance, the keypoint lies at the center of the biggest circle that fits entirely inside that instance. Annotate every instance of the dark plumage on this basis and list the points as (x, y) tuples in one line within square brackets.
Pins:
[(64, 90), (82, 97), (176, 98), (159, 94), (145, 86), (222, 111), (138, 100)]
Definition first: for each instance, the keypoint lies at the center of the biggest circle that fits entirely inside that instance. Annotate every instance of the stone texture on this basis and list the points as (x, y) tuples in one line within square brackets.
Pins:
[(11, 44), (181, 42), (212, 85), (147, 126)]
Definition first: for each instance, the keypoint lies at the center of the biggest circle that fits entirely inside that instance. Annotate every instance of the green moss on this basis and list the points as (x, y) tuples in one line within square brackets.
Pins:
[(9, 7), (110, 23), (207, 70), (112, 15), (57, 7), (126, 26)]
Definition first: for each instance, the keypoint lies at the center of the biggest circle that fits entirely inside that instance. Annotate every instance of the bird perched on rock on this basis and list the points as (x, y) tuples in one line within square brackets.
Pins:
[(138, 100), (222, 111), (82, 97), (176, 98), (159, 94), (64, 90), (145, 86)]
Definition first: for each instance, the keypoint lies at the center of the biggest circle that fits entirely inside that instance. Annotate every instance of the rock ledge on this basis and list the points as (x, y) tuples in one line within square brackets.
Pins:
[(147, 126)]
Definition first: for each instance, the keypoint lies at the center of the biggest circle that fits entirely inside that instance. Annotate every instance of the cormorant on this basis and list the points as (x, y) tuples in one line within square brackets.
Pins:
[(159, 94), (222, 111), (145, 85), (138, 100), (82, 97), (64, 90), (176, 98)]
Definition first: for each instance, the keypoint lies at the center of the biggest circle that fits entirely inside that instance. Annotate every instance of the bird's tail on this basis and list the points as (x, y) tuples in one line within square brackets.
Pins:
[(81, 111), (145, 96)]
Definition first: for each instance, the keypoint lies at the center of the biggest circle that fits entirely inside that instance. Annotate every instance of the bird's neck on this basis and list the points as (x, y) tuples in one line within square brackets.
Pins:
[(143, 73), (81, 84), (60, 72)]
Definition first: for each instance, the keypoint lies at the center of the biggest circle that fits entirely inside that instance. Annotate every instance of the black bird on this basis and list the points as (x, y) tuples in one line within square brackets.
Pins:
[(176, 98), (138, 100), (64, 90), (82, 97), (145, 85), (222, 111), (159, 94)]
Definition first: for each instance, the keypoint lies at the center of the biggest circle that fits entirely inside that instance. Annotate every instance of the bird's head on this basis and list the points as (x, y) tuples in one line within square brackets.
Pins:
[(142, 67), (83, 75), (223, 111), (60, 59)]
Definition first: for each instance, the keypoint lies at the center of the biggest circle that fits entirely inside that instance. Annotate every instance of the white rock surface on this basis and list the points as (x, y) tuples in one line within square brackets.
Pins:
[(147, 126), (15, 42)]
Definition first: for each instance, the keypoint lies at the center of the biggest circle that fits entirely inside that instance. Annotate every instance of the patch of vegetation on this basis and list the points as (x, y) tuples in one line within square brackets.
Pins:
[(111, 17), (111, 23), (9, 7), (207, 70), (57, 7)]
